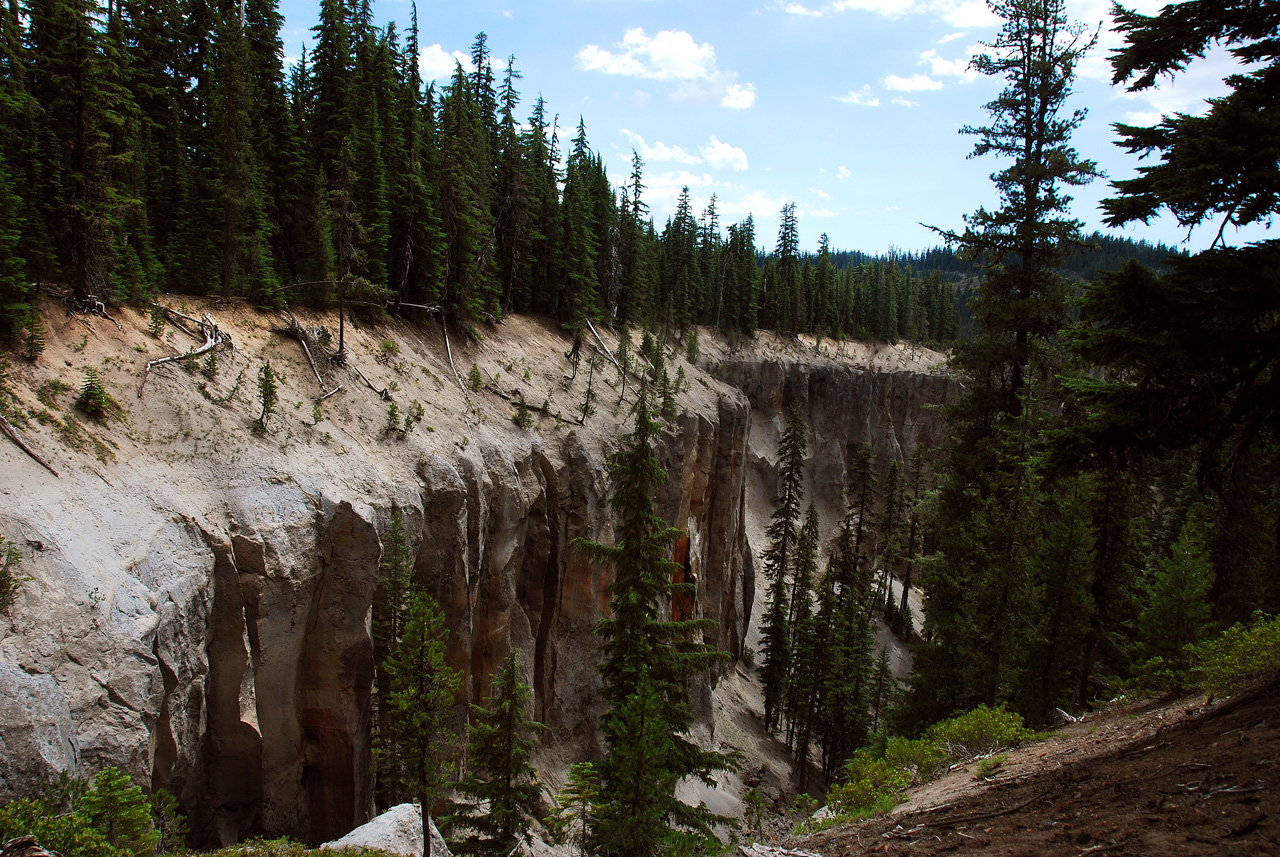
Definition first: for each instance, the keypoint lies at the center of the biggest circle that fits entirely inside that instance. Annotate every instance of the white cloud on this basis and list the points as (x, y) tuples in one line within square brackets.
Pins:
[(967, 14), (905, 103), (435, 64), (949, 68), (915, 83), (887, 8), (660, 151), (739, 96), (822, 194), (951, 38), (843, 173), (715, 154), (668, 55), (957, 13), (863, 97), (506, 13), (722, 155), (760, 204), (806, 211), (671, 56)]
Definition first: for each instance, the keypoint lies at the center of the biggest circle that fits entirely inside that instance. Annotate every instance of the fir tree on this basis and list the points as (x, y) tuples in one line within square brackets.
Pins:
[(499, 786), (646, 661), (987, 485), (420, 696), (778, 559), (572, 818)]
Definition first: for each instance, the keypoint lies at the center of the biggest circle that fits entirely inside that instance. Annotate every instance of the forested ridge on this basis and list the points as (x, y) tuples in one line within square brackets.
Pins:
[(168, 148), (1107, 501)]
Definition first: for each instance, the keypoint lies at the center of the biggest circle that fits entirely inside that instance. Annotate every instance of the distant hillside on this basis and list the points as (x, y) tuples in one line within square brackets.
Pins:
[(1106, 253)]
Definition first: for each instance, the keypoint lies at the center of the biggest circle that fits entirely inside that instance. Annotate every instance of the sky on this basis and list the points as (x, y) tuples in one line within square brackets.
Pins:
[(851, 109)]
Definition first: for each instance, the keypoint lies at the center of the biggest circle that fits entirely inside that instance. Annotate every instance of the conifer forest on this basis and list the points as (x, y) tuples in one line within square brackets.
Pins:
[(1107, 500)]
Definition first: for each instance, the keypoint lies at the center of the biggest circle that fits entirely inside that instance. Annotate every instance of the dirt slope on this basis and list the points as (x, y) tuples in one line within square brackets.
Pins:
[(1186, 779)]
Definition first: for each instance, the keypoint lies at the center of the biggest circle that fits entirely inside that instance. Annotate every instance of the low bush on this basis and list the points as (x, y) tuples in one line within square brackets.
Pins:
[(1245, 653), (876, 781), (979, 732)]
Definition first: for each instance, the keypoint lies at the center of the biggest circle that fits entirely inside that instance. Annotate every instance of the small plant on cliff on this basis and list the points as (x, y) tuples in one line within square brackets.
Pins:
[(474, 379), (93, 399), (393, 420), (33, 337), (266, 394), (500, 784), (157, 321), (522, 417)]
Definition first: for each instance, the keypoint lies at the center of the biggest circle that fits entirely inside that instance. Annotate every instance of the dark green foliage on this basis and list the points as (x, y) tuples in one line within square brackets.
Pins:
[(390, 616), (419, 698), (1218, 165), (646, 662), (1177, 612), (266, 395), (778, 560), (1003, 547), (93, 398), (33, 336), (500, 786)]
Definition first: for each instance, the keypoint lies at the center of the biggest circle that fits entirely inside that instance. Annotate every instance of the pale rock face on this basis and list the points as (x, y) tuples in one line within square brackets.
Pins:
[(199, 615), (36, 740), (398, 830)]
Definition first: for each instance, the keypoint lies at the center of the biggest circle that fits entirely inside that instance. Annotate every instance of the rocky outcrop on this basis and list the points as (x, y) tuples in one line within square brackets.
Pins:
[(889, 408), (397, 831), (198, 608)]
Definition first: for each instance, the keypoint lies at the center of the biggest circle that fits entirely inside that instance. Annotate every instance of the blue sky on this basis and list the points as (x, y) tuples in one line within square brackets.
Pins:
[(849, 108)]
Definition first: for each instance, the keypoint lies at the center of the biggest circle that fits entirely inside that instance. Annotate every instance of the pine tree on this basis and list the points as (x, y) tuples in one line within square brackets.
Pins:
[(422, 687), (499, 784), (987, 484), (646, 662), (572, 819), (390, 616), (1178, 610), (783, 534)]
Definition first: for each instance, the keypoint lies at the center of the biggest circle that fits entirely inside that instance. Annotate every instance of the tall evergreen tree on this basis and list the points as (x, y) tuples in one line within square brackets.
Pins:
[(421, 695), (778, 560), (646, 662), (499, 786), (987, 487)]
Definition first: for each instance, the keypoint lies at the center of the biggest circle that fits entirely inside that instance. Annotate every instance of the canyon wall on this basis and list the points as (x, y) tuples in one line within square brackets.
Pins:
[(197, 608)]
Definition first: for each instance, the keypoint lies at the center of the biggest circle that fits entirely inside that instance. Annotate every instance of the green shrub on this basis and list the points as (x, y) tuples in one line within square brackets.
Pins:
[(1242, 654), (1245, 653), (989, 766), (873, 786), (979, 732), (921, 758)]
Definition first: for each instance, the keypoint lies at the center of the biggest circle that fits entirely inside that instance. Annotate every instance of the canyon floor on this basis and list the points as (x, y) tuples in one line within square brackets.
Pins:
[(1191, 777)]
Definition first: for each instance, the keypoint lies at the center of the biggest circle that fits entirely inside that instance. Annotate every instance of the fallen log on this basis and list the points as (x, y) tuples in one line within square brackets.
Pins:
[(12, 433), (213, 338)]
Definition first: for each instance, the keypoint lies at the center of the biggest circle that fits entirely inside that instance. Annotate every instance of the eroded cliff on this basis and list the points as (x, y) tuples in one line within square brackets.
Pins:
[(198, 609)]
